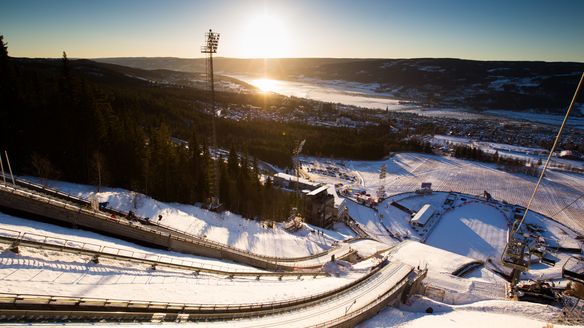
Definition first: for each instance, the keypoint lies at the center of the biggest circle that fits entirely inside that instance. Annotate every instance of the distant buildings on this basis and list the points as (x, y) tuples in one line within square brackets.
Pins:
[(568, 154)]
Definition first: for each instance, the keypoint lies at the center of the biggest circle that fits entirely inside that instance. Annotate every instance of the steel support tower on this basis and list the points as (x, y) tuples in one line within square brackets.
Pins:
[(210, 47)]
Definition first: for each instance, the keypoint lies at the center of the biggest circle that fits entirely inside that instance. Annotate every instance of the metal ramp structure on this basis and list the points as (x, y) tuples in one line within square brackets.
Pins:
[(516, 257), (573, 308), (573, 269)]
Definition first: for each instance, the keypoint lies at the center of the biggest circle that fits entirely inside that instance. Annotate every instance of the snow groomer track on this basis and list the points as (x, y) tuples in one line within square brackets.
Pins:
[(342, 307), (34, 200)]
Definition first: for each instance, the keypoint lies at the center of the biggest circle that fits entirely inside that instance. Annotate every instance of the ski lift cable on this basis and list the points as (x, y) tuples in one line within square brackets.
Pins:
[(547, 162), (565, 207)]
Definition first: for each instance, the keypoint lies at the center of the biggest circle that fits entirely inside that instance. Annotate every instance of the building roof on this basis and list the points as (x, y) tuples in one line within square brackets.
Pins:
[(293, 179), (423, 215), (318, 190)]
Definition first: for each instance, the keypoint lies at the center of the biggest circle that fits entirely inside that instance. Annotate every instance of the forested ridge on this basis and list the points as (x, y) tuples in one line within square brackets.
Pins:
[(86, 122), (442, 82)]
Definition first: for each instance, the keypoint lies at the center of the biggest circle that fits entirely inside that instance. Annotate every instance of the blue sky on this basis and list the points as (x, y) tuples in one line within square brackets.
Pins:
[(499, 30)]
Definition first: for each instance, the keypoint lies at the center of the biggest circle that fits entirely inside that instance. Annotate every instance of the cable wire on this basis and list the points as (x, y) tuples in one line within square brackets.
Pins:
[(547, 162), (565, 207)]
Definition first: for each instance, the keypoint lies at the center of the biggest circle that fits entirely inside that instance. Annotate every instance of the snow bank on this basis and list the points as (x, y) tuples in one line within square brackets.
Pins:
[(440, 282), (485, 314), (337, 268), (368, 247), (435, 259)]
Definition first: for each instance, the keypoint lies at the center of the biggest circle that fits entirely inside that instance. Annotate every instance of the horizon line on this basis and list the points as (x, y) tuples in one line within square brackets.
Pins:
[(308, 58)]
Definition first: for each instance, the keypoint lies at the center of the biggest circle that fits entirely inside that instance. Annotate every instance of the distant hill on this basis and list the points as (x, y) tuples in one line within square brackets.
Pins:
[(444, 82)]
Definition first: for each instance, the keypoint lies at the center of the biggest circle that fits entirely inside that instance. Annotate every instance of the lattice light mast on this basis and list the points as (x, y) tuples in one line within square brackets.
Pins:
[(210, 48)]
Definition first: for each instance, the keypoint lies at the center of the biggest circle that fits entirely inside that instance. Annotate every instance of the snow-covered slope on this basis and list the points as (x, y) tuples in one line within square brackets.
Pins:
[(406, 171), (10, 223), (43, 272), (227, 228)]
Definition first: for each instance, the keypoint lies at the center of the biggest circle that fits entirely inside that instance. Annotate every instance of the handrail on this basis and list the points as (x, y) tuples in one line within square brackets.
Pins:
[(73, 246), (21, 299), (356, 313)]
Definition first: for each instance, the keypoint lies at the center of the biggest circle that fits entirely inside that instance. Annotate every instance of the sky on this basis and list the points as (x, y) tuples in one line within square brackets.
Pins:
[(471, 29)]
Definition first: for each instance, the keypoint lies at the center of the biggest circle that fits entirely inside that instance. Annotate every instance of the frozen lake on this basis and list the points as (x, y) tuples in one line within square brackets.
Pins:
[(365, 95), (335, 91)]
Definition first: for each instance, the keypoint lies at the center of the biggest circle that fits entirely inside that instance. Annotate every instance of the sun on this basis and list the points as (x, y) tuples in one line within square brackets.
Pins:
[(264, 36), (265, 85)]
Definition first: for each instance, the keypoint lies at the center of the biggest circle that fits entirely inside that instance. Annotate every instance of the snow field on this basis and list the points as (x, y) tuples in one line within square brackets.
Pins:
[(476, 230), (406, 171), (484, 314)]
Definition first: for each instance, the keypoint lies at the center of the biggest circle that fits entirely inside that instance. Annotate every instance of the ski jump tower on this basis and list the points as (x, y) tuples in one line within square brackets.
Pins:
[(210, 47)]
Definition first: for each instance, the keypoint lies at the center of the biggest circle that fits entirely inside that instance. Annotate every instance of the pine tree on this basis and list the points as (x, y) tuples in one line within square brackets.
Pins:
[(3, 50), (196, 168), (5, 79), (65, 66), (232, 162)]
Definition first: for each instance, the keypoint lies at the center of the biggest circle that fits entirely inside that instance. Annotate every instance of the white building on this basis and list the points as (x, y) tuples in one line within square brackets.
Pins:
[(422, 216)]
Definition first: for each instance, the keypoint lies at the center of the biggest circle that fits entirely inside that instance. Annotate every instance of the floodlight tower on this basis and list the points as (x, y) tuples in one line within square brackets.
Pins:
[(210, 48)]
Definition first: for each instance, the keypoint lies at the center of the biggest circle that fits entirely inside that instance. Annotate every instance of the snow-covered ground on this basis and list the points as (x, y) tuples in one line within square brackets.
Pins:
[(486, 222), (470, 227), (505, 150), (474, 229), (42, 272), (226, 228), (406, 171), (54, 273), (464, 232), (10, 223), (440, 283), (485, 314)]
